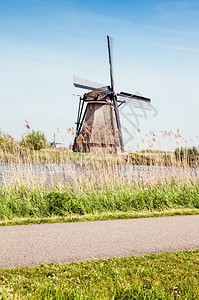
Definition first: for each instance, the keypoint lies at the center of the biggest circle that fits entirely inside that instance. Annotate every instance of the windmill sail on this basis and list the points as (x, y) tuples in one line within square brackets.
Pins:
[(132, 96), (90, 85), (110, 55), (110, 46)]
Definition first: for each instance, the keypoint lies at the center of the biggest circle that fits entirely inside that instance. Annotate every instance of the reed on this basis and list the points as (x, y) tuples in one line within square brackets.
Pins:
[(57, 183)]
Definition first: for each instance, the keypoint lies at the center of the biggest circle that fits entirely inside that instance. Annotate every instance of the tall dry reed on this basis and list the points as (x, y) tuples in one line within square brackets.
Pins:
[(22, 166)]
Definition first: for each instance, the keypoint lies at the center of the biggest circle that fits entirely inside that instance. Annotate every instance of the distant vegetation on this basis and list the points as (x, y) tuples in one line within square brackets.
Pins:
[(33, 147), (152, 151), (188, 155), (35, 140)]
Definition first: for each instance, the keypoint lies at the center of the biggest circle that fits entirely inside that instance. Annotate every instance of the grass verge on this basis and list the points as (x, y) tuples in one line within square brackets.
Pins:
[(153, 276), (26, 204), (101, 217)]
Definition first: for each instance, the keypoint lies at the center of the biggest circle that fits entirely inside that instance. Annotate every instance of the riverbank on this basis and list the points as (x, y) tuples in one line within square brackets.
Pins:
[(28, 204), (64, 156)]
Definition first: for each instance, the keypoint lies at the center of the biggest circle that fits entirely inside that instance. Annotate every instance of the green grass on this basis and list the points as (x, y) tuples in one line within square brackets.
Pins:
[(66, 203), (100, 217), (153, 276)]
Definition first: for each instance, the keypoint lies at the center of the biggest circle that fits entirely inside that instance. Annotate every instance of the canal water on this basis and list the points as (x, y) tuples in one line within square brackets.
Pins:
[(44, 173)]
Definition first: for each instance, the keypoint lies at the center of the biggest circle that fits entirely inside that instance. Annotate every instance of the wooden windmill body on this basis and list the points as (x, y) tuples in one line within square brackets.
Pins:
[(98, 123)]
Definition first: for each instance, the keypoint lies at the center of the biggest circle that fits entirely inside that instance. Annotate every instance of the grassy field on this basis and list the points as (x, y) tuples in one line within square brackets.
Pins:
[(153, 276)]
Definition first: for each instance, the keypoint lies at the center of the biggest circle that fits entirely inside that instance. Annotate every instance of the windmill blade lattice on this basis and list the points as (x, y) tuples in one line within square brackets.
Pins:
[(90, 85)]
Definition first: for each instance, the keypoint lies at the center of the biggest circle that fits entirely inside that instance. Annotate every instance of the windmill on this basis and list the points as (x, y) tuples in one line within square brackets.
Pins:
[(98, 126)]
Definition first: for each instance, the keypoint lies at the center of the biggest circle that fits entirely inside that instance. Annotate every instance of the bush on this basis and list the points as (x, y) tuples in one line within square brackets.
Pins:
[(36, 140)]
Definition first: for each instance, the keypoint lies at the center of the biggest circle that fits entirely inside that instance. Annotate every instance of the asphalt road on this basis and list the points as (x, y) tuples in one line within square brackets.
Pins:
[(29, 245)]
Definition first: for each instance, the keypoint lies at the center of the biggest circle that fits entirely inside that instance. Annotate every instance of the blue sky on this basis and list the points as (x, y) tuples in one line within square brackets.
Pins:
[(43, 43)]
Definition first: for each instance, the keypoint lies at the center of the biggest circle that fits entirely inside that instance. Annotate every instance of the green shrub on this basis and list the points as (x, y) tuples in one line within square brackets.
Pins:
[(36, 140)]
